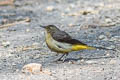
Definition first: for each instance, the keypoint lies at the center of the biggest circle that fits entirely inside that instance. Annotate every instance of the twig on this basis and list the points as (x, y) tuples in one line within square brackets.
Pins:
[(6, 2), (25, 48), (14, 23)]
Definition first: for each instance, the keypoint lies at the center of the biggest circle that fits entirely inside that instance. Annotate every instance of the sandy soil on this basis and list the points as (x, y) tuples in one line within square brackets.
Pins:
[(94, 22)]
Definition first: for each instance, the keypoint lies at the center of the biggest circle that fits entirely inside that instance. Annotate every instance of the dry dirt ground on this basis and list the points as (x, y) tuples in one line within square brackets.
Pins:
[(94, 22)]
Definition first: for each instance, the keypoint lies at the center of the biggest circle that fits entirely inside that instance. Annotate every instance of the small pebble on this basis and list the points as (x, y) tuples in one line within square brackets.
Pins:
[(62, 14), (108, 20), (102, 37), (90, 62), (111, 47), (27, 30), (82, 60), (5, 43), (70, 25), (35, 44), (115, 38), (107, 54), (28, 19), (102, 62), (74, 14), (13, 64), (50, 8), (72, 6), (113, 61), (72, 62)]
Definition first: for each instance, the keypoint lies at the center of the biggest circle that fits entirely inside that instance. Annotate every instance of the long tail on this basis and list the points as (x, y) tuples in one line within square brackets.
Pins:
[(82, 47), (104, 48)]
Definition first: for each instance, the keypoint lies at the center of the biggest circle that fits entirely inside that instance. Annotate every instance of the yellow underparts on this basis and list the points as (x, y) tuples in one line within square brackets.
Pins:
[(81, 47)]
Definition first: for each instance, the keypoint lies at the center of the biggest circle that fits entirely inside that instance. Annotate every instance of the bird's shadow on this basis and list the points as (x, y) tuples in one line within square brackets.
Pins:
[(73, 59)]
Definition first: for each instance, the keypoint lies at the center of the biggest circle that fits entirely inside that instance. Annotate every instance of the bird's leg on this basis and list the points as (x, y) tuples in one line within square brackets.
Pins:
[(65, 57), (61, 57)]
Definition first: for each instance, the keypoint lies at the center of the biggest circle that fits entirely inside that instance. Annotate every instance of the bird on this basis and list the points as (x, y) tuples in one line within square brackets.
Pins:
[(61, 42)]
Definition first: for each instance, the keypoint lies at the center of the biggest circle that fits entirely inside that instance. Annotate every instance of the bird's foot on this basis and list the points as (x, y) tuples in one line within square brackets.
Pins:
[(59, 60)]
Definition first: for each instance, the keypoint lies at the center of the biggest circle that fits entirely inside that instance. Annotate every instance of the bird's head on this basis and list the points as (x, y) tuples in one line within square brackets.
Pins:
[(50, 28)]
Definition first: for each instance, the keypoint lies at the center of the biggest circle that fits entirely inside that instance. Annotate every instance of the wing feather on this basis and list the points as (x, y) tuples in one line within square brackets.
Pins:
[(62, 36)]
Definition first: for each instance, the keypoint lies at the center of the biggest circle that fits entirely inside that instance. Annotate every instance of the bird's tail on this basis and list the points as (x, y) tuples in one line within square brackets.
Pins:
[(82, 47), (90, 47), (104, 48)]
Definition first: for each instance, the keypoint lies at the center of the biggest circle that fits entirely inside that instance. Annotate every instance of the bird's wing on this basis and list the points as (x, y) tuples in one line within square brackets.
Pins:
[(62, 36)]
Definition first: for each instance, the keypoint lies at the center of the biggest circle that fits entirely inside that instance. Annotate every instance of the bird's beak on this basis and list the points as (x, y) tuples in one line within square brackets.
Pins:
[(42, 26)]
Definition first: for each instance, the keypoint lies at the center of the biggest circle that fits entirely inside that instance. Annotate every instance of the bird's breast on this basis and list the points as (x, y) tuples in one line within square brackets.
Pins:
[(57, 46)]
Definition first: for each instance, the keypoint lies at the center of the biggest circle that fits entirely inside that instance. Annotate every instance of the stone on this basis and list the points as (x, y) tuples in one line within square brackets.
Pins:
[(5, 43), (32, 68), (50, 8)]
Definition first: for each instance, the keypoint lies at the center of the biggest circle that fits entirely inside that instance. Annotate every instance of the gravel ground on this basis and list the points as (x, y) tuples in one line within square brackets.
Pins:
[(94, 22)]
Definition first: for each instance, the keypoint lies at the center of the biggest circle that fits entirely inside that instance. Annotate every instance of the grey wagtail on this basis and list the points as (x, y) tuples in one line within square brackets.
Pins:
[(61, 42)]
